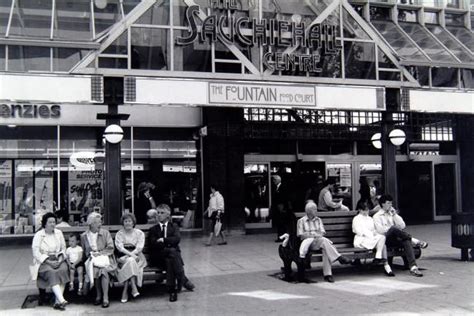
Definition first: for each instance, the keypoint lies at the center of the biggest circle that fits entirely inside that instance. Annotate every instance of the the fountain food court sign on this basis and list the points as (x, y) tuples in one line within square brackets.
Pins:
[(319, 38)]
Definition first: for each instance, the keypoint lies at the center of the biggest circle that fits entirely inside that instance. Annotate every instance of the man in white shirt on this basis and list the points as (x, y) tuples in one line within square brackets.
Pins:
[(389, 223), (311, 230), (325, 200)]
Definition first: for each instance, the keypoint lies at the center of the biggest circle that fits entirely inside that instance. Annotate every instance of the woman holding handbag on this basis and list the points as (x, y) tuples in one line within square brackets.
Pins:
[(99, 251), (49, 266), (215, 211)]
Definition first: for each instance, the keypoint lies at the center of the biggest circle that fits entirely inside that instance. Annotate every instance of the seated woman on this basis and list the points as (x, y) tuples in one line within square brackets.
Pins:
[(367, 237), (49, 266), (129, 242), (99, 251)]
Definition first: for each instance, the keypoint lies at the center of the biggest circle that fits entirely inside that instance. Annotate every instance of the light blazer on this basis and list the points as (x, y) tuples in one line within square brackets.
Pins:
[(40, 249)]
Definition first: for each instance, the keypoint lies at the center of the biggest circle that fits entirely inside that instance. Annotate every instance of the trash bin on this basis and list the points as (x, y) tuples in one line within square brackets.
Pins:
[(462, 233)]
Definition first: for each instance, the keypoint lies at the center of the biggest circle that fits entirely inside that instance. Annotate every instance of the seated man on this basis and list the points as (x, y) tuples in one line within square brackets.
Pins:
[(389, 223), (163, 240), (326, 201), (310, 229)]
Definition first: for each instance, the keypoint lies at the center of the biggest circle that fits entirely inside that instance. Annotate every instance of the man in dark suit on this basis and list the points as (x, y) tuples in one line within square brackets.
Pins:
[(163, 240), (280, 207)]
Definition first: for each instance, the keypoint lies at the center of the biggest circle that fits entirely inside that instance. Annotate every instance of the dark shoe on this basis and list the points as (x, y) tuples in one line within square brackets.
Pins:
[(416, 272), (60, 306), (105, 304), (173, 297), (222, 243), (189, 286), (97, 302), (329, 278), (377, 261), (344, 260), (307, 281), (389, 274)]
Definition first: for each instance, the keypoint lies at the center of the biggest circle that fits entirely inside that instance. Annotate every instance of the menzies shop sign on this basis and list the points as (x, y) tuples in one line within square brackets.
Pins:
[(32, 111), (317, 38)]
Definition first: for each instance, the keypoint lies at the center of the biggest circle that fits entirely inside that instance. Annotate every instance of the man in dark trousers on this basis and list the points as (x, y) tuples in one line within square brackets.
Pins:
[(163, 240), (280, 207)]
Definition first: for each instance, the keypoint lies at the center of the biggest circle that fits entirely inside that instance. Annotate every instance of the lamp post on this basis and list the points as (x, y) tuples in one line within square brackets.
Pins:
[(388, 140)]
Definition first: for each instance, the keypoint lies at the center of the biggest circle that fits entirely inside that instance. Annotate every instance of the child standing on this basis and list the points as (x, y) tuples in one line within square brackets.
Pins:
[(74, 259)]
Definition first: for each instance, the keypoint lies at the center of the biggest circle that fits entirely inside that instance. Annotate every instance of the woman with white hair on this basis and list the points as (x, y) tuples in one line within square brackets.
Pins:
[(99, 251)]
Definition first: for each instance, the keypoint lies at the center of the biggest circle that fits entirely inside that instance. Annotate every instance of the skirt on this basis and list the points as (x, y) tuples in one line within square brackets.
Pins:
[(48, 277), (129, 267)]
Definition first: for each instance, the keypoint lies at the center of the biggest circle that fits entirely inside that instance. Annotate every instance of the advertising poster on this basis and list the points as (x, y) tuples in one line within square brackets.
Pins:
[(44, 185), (86, 191), (5, 186), (345, 177), (24, 189)]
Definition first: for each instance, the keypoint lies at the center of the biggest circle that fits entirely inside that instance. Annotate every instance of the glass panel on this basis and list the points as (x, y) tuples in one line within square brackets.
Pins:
[(2, 57), (384, 61), (193, 57), (105, 17), (24, 195), (129, 5), (442, 35), (6, 194), (4, 14), (467, 78), (32, 18), (422, 74), (452, 19), (389, 75), (444, 77), (370, 183), (285, 10), (119, 46), (431, 17), (407, 15), (342, 191), (453, 4), (352, 29), (150, 49), (73, 20), (359, 60), (445, 189), (379, 13), (256, 189), (116, 63), (27, 58), (398, 41), (464, 35), (423, 39), (66, 58), (158, 14)]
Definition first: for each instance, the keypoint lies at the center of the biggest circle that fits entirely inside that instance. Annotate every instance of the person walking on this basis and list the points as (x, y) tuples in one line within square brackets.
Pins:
[(215, 211)]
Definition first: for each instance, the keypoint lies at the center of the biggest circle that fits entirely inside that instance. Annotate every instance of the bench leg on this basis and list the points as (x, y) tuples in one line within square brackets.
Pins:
[(464, 254)]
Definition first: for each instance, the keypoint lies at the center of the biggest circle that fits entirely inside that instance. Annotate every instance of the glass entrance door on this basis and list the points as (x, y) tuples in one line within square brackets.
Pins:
[(445, 190)]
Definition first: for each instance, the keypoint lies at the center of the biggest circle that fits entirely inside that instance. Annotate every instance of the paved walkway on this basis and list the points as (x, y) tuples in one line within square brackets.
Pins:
[(234, 280)]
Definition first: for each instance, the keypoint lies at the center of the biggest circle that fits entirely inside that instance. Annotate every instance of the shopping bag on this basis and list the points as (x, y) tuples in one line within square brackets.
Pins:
[(101, 261), (217, 227)]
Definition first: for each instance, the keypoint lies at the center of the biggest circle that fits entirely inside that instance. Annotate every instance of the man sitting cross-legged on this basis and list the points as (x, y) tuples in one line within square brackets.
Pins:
[(310, 229), (163, 240)]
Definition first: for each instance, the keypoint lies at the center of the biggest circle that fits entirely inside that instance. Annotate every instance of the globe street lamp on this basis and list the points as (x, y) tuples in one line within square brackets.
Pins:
[(397, 137), (113, 134)]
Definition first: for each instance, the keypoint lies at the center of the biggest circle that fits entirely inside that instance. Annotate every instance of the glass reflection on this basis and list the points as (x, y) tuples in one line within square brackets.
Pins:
[(150, 48), (73, 20), (359, 60), (31, 18)]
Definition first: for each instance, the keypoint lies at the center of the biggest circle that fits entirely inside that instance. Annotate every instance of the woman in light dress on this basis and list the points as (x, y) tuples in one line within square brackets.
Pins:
[(50, 269), (367, 237), (129, 242)]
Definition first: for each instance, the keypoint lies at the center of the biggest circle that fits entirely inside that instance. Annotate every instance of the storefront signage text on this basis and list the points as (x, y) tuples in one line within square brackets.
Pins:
[(261, 94), (265, 32), (30, 111)]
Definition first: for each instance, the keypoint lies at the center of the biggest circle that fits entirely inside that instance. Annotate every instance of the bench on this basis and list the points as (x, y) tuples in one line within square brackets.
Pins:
[(338, 226)]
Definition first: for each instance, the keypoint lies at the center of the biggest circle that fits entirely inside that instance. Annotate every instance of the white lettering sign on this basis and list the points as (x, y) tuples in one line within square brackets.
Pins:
[(250, 94)]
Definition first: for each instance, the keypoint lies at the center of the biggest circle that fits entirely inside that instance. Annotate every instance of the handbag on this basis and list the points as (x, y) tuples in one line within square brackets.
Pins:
[(217, 227), (101, 261)]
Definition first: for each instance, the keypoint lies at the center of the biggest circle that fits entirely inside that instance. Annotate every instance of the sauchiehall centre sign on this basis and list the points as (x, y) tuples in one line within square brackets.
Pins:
[(314, 37)]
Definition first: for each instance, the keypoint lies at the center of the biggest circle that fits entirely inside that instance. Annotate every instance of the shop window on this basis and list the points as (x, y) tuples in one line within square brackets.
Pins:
[(73, 20), (467, 78), (2, 57), (359, 60), (444, 77), (150, 48), (28, 58), (66, 58), (7, 220), (370, 183), (31, 18), (105, 17)]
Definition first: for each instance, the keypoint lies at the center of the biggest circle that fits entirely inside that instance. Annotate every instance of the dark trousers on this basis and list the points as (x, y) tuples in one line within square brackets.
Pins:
[(396, 238), (288, 255), (169, 259)]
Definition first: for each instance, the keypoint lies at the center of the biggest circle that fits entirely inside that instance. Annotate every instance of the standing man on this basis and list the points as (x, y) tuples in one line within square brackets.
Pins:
[(389, 223), (163, 240), (280, 207), (325, 200), (311, 230)]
